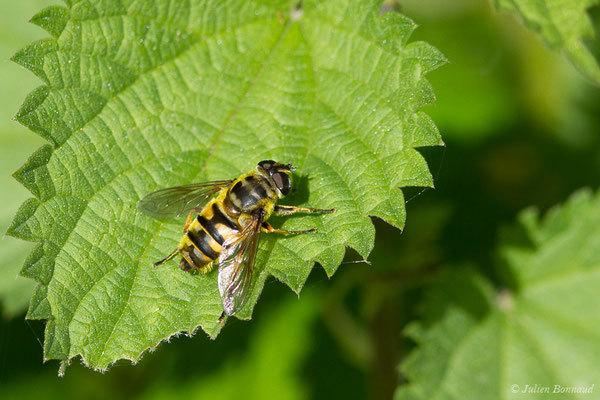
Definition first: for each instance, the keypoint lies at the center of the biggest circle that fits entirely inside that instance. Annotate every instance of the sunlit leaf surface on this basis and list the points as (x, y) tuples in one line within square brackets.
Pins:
[(145, 95)]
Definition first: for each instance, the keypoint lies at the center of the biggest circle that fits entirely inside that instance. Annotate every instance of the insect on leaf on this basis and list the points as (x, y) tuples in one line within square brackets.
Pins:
[(140, 96)]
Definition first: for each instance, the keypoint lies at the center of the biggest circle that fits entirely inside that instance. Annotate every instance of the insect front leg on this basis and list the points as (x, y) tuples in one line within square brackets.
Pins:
[(269, 229), (287, 210)]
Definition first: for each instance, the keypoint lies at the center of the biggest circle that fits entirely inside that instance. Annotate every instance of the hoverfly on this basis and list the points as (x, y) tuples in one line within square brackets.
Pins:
[(228, 227)]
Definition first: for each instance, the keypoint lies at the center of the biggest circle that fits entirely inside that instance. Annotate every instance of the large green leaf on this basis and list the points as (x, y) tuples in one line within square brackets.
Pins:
[(563, 25), (481, 343), (145, 95)]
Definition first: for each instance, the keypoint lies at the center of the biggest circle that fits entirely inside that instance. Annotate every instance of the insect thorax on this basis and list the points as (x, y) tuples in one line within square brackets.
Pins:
[(251, 192)]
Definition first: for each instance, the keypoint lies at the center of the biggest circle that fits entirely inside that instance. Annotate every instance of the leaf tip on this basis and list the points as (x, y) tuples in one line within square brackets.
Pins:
[(39, 307), (52, 19), (18, 227), (28, 117), (32, 57), (62, 368), (31, 103), (35, 176)]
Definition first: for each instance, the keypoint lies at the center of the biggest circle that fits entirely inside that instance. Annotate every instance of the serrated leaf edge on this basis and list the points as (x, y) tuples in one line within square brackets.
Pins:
[(45, 19)]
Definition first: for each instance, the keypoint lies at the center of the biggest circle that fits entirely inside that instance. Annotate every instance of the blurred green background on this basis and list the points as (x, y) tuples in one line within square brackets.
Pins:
[(521, 127)]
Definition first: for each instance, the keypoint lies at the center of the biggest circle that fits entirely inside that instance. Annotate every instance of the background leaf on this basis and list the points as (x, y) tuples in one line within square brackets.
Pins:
[(563, 25), (541, 329), (140, 96)]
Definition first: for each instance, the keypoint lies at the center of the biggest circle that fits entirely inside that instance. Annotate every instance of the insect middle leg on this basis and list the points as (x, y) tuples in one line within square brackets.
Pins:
[(287, 210), (188, 221)]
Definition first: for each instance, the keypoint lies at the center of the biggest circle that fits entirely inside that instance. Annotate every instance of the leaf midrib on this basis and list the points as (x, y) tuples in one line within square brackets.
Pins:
[(240, 103), (132, 166)]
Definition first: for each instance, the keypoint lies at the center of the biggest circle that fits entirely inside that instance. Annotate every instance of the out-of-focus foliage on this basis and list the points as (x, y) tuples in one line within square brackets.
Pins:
[(563, 24), (480, 68), (270, 363), (543, 328), (502, 72)]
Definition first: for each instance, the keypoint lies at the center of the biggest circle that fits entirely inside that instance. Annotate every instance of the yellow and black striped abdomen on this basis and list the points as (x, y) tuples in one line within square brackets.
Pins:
[(222, 217), (203, 242)]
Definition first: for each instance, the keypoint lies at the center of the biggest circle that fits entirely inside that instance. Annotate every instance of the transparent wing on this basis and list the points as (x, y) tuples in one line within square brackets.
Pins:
[(179, 200), (236, 264)]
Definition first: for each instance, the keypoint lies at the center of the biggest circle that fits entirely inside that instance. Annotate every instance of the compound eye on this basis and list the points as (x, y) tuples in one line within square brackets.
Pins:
[(266, 164), (283, 182)]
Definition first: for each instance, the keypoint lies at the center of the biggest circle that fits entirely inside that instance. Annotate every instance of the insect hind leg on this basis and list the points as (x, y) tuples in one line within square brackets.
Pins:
[(268, 228), (185, 265), (167, 258)]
